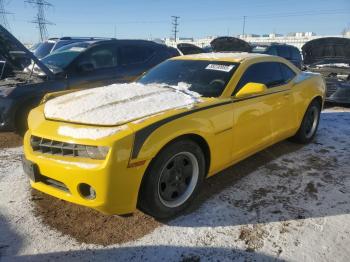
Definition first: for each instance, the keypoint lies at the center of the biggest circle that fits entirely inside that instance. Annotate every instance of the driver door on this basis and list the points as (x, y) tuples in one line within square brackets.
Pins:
[(260, 119)]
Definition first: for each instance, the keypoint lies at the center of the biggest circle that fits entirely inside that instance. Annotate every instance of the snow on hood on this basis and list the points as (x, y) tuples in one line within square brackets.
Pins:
[(119, 103)]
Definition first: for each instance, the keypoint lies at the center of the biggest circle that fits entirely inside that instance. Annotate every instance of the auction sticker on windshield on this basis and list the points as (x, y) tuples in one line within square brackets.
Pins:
[(224, 68)]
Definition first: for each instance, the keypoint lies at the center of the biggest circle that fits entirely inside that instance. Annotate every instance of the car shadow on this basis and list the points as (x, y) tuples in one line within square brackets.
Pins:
[(12, 244), (152, 253), (10, 241)]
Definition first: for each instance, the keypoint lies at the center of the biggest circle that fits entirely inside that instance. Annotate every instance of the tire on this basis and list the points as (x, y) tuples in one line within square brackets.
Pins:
[(309, 125), (172, 180)]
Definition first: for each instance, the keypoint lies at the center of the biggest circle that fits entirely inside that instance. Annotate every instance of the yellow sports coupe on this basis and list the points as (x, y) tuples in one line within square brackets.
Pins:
[(150, 144)]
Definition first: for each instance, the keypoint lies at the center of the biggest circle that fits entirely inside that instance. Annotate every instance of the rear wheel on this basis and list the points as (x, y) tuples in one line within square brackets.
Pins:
[(309, 125), (173, 179)]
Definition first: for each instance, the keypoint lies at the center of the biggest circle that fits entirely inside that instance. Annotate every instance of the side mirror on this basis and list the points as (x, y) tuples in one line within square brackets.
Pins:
[(251, 89), (86, 67)]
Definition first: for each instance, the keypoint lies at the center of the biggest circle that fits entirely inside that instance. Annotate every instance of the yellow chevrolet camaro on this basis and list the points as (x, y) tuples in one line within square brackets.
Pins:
[(150, 144)]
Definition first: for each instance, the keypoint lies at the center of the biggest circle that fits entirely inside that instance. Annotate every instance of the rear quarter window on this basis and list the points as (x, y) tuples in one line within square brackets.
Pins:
[(287, 73)]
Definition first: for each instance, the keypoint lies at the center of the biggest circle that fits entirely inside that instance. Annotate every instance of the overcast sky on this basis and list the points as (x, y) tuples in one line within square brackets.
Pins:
[(152, 18)]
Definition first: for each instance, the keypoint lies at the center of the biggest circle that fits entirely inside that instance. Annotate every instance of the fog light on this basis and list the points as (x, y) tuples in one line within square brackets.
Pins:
[(87, 191)]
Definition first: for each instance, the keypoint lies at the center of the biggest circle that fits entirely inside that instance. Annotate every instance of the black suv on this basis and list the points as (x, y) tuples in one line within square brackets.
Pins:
[(288, 52), (42, 49), (79, 65)]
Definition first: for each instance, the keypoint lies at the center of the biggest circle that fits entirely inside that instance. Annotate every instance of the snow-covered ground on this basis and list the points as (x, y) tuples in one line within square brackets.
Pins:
[(291, 203)]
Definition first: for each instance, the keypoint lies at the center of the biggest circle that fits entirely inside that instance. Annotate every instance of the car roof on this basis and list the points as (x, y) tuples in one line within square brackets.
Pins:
[(221, 56)]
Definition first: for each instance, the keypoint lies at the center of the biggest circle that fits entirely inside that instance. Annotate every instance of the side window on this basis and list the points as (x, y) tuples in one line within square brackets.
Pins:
[(283, 51), (100, 57), (288, 74), (268, 73), (133, 54), (272, 51)]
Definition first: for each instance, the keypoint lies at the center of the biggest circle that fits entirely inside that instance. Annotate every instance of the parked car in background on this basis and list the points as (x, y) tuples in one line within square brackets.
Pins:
[(150, 144), (219, 44), (76, 66), (41, 50), (188, 49), (330, 56), (288, 52), (229, 44)]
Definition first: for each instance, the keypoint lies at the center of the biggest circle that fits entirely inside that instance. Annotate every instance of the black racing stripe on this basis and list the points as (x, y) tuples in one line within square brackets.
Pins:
[(251, 97), (143, 134)]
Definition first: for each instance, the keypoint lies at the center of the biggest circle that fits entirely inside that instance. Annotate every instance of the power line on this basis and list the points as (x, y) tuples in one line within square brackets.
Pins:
[(209, 19), (175, 25), (3, 17), (40, 19), (243, 29)]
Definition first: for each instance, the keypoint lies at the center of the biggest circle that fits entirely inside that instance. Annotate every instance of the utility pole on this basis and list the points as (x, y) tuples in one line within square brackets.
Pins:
[(3, 18), (175, 25), (40, 19), (243, 31)]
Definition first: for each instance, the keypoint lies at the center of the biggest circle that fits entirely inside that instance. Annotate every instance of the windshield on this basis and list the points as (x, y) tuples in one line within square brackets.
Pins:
[(207, 78), (43, 49), (62, 57)]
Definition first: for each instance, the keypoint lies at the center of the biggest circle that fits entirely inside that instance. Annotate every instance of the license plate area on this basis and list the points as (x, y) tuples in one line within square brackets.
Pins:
[(31, 170)]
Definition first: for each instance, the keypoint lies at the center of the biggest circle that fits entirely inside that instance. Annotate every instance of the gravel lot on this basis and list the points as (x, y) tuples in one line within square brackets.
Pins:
[(287, 203)]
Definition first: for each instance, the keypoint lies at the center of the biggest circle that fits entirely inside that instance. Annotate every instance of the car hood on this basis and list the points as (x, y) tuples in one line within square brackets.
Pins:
[(11, 48), (118, 104), (328, 50), (230, 44), (189, 49)]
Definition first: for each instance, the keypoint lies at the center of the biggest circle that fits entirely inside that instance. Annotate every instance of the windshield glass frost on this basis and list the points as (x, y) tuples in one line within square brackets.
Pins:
[(208, 78)]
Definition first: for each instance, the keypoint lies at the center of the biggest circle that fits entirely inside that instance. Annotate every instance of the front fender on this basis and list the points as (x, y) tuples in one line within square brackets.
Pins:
[(213, 125)]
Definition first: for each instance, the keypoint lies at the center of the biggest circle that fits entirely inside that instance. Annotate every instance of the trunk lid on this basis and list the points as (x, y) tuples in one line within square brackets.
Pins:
[(328, 50), (230, 44)]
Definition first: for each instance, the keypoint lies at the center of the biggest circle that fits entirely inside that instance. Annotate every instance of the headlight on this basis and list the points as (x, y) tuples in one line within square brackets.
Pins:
[(97, 152), (4, 92), (93, 152), (53, 147)]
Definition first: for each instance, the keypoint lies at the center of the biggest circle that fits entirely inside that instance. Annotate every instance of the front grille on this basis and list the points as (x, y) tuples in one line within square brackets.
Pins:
[(53, 147)]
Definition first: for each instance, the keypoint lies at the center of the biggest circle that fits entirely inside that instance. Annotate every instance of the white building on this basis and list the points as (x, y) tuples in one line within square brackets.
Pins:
[(297, 39)]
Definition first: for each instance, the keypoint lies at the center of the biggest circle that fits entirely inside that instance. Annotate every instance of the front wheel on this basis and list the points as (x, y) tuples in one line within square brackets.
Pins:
[(172, 180), (309, 125)]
